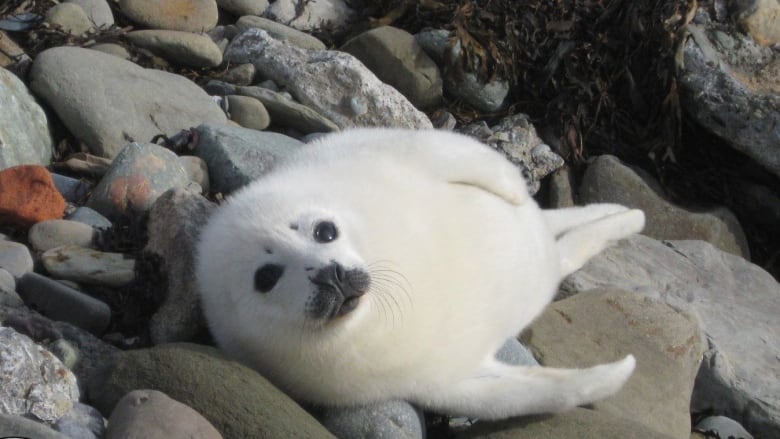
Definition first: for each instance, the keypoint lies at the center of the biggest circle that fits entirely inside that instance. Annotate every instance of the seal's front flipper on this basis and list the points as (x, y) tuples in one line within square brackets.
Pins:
[(459, 159), (580, 243), (501, 391)]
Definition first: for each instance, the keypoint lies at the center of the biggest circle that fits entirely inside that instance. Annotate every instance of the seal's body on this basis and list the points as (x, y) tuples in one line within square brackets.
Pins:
[(392, 264)]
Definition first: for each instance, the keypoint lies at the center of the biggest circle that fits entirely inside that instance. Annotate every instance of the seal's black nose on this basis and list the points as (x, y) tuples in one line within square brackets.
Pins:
[(338, 290)]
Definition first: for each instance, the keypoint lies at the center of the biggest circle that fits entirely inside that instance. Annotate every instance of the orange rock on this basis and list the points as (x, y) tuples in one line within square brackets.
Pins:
[(28, 196)]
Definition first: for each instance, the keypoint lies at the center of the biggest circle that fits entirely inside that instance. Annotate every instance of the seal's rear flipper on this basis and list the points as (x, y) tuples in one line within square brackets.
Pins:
[(500, 390), (581, 242)]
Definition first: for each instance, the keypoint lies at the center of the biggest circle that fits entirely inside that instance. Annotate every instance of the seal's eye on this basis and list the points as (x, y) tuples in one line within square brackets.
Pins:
[(267, 276), (325, 232)]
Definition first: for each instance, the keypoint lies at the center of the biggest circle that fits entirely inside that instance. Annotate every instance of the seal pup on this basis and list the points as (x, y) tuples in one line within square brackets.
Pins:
[(379, 264)]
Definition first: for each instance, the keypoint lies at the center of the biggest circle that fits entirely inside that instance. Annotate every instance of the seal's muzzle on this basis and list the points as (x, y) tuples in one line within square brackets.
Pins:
[(338, 291)]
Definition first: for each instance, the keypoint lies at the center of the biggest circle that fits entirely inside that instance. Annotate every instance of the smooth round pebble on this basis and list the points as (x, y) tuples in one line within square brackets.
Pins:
[(70, 17), (184, 15), (248, 112), (197, 171), (89, 266), (7, 281), (98, 11), (185, 48), (117, 50), (15, 258), (46, 235), (90, 217)]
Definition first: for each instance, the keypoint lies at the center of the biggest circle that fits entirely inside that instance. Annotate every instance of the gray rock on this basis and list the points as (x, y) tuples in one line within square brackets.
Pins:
[(72, 189), (89, 266), (24, 130), (90, 217), (243, 7), (731, 86), (561, 193), (485, 96), (242, 74), (391, 419), (46, 235), (577, 423), (98, 12), (69, 17), (83, 163), (173, 228), (116, 50), (184, 15), (280, 32), (15, 258), (605, 325), (282, 111), (335, 84), (184, 48), (14, 426), (513, 352), (608, 180), (737, 303), (235, 156), (138, 175), (516, 137), (60, 302), (34, 382), (248, 112), (235, 399), (722, 427), (82, 422), (197, 170), (7, 281), (397, 59), (90, 92), (137, 414), (93, 353), (312, 15)]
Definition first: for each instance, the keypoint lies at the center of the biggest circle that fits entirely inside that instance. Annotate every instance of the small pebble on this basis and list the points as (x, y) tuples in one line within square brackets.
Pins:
[(82, 422), (15, 258), (90, 217), (89, 266), (46, 235)]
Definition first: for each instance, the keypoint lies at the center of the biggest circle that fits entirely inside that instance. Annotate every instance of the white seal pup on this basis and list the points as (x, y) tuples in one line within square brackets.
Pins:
[(381, 264)]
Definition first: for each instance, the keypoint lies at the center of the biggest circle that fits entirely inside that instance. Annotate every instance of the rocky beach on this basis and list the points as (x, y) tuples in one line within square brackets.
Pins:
[(124, 124)]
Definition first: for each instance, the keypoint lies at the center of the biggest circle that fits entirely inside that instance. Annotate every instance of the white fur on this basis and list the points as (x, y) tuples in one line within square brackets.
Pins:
[(461, 258)]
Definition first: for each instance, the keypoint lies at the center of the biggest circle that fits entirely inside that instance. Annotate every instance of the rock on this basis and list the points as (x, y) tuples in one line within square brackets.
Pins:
[(82, 422), (391, 419), (607, 180), (513, 352), (398, 60), (485, 96), (240, 8), (722, 427), (46, 235), (89, 266), (312, 15), (83, 163), (184, 15), (112, 49), (65, 352), (72, 189), (34, 382), (184, 48), (15, 258), (93, 353), (248, 112), (731, 86), (280, 32), (737, 304), (69, 17), (59, 302), (138, 175), (242, 74), (12, 57), (98, 12), (173, 228), (577, 423), (24, 129), (13, 426), (203, 379), (28, 196), (760, 19), (599, 326), (561, 193), (197, 170), (235, 156), (335, 84), (90, 217), (516, 138), (282, 111), (7, 281), (90, 92), (138, 414)]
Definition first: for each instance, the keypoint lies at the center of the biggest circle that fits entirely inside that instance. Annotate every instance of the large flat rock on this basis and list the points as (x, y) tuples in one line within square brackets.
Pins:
[(108, 102)]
